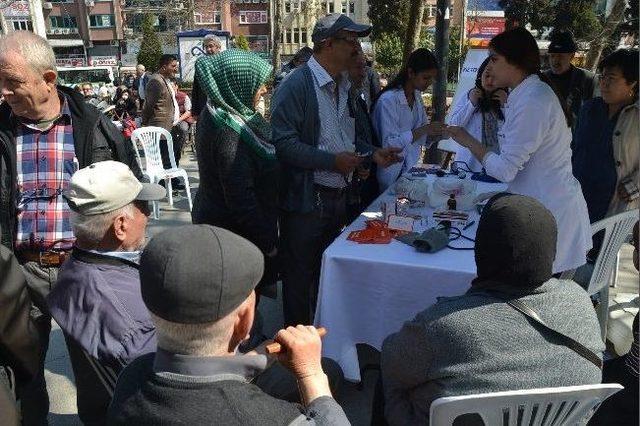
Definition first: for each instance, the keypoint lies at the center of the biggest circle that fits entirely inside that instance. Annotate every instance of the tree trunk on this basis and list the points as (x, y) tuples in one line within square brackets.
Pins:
[(276, 7), (414, 26), (608, 29)]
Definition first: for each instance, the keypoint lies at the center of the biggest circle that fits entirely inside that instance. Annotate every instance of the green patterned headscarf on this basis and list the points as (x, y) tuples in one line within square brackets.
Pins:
[(231, 79)]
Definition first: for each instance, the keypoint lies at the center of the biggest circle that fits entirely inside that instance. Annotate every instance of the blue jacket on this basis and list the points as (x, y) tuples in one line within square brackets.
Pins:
[(97, 302), (295, 130)]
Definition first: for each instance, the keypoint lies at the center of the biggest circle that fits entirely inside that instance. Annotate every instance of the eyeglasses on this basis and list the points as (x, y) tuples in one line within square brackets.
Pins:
[(608, 78), (348, 39)]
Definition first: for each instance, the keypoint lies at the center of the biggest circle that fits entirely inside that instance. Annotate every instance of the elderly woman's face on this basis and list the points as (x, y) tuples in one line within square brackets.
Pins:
[(615, 89), (262, 90)]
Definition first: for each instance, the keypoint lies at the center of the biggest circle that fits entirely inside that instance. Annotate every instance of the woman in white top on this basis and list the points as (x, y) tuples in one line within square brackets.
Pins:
[(535, 151), (480, 113), (399, 117)]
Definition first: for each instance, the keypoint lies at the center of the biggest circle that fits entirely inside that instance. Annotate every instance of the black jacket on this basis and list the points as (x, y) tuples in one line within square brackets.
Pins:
[(238, 189), (95, 139), (19, 340)]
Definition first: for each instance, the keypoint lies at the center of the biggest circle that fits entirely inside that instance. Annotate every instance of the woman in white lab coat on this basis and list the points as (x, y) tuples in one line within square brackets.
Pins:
[(535, 151), (480, 113), (399, 117)]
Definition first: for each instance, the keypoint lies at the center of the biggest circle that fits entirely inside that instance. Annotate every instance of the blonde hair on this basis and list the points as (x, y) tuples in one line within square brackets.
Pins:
[(34, 49)]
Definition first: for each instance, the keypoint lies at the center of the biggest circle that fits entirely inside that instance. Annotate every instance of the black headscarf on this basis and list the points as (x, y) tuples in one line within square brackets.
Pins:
[(515, 243)]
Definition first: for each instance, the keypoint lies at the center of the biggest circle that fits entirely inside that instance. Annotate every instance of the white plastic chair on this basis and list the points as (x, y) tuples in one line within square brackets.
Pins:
[(150, 138), (560, 406), (616, 230)]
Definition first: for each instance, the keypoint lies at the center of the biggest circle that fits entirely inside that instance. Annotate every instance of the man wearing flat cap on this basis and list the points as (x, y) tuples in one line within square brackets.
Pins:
[(97, 300), (202, 312), (575, 85), (313, 131)]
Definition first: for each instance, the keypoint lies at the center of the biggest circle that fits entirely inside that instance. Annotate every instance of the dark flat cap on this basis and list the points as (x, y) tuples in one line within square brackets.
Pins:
[(198, 274)]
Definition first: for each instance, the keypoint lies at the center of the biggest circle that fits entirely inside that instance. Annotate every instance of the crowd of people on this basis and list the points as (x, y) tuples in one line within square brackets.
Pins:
[(175, 320)]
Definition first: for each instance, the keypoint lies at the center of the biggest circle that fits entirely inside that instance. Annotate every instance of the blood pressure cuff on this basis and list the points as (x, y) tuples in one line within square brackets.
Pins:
[(430, 241)]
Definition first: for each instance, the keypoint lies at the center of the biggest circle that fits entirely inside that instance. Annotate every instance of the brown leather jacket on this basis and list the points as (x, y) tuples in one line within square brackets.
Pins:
[(158, 109)]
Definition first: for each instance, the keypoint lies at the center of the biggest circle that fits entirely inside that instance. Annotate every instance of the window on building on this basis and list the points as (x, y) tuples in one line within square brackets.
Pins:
[(287, 7), (206, 18), (253, 17), (295, 5), (344, 7), (303, 36), (330, 7), (63, 22), (22, 24), (352, 8), (296, 35), (102, 21), (288, 35)]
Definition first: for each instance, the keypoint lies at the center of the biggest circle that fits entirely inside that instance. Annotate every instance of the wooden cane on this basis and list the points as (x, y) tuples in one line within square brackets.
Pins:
[(274, 348)]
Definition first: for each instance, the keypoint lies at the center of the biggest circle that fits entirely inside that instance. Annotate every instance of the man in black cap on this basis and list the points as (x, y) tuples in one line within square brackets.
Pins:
[(575, 84), (314, 136), (202, 312)]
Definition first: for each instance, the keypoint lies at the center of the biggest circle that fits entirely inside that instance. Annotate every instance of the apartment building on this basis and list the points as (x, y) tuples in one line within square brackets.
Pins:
[(300, 16), (22, 15), (84, 32), (247, 17)]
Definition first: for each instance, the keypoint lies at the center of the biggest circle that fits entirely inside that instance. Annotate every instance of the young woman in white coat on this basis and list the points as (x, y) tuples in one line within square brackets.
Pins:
[(399, 117), (480, 113), (535, 144)]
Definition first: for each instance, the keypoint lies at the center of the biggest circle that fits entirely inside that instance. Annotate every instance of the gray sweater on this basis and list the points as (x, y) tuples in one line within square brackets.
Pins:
[(295, 130), (476, 343)]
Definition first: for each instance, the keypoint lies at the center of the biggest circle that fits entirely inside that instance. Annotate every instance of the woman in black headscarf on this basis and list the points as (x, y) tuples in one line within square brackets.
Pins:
[(477, 342)]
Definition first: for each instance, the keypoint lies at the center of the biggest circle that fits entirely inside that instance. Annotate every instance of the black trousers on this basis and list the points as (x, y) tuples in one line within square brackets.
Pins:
[(34, 399), (179, 137), (304, 237)]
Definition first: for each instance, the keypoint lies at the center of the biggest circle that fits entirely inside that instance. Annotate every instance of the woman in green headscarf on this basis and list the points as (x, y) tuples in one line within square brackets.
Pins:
[(238, 169)]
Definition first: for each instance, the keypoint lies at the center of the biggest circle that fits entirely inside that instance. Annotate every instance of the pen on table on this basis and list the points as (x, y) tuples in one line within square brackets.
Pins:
[(274, 348), (468, 225)]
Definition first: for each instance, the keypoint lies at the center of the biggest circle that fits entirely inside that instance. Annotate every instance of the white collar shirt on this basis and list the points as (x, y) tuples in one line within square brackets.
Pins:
[(337, 127)]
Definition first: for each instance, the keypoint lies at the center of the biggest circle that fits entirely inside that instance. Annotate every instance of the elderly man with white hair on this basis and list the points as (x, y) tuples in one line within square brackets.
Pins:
[(46, 131), (97, 300), (140, 82), (211, 46)]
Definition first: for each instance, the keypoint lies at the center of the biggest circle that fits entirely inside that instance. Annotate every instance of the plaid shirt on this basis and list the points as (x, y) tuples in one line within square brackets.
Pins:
[(45, 162)]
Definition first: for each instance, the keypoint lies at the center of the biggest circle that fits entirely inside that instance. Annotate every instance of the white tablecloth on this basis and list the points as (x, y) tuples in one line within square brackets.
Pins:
[(367, 291)]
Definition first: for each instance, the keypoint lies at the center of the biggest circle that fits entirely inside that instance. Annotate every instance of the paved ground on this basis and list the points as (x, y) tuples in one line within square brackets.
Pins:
[(356, 402)]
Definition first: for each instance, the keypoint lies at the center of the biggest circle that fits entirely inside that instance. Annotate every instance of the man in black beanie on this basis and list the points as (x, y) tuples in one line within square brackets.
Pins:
[(576, 85), (203, 309)]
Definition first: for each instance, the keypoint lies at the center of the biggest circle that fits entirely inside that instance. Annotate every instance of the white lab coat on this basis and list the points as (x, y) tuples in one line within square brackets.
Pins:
[(466, 115), (394, 122), (535, 160)]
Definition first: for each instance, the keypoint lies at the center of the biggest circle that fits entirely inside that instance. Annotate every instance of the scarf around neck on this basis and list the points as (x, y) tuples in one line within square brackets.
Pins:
[(231, 79)]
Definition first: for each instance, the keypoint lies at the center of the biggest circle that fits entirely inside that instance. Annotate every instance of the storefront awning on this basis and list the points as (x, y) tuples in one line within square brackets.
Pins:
[(67, 42)]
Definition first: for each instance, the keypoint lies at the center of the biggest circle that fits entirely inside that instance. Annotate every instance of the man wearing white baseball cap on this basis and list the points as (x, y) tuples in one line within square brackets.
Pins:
[(97, 300)]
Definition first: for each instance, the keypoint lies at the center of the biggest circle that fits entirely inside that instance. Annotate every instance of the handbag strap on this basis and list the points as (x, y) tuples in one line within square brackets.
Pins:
[(572, 344)]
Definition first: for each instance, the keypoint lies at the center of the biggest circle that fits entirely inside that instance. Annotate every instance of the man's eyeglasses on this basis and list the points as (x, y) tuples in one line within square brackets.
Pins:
[(348, 39)]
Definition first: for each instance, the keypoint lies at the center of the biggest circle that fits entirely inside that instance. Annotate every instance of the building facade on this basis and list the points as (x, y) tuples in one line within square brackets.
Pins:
[(249, 18), (22, 15), (85, 32)]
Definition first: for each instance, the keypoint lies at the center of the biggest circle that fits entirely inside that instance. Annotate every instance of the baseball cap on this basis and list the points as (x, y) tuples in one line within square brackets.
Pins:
[(562, 42), (107, 186), (178, 285), (329, 25)]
